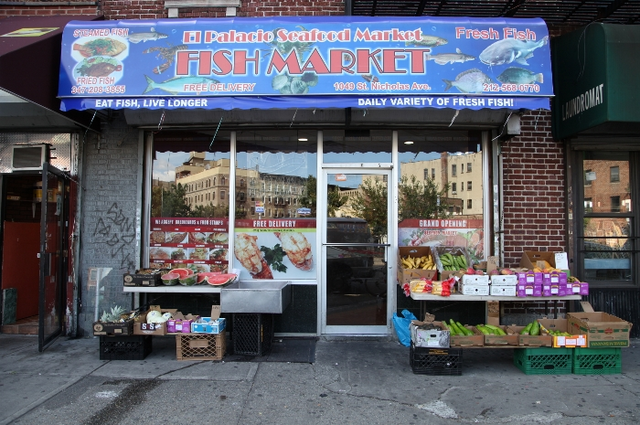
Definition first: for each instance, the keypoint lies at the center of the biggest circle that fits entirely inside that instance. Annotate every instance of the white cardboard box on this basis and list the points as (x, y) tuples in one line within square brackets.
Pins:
[(504, 280), (474, 289), (503, 290), (474, 279), (431, 338)]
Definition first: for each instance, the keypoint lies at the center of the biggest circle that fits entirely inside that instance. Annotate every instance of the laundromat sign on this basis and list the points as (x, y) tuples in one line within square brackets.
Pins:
[(407, 62)]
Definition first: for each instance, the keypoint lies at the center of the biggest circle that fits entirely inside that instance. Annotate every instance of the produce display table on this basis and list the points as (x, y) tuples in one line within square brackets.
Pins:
[(176, 289), (424, 296)]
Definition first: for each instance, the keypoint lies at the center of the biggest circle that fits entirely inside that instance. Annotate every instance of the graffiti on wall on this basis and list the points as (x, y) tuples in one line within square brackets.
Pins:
[(117, 231)]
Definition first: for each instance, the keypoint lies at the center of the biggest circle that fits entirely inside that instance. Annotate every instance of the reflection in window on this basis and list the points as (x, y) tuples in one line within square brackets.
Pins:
[(431, 212), (279, 167), (611, 194)]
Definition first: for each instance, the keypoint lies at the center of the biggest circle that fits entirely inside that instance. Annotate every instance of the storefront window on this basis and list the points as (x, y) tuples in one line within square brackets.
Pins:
[(432, 211), (275, 227), (606, 249), (189, 223)]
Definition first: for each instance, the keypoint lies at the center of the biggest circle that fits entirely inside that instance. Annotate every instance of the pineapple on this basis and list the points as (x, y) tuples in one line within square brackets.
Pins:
[(115, 315)]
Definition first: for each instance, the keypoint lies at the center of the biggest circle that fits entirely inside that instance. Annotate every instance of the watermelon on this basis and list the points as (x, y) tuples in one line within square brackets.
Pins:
[(202, 276), (189, 280), (170, 278), (221, 279), (182, 272)]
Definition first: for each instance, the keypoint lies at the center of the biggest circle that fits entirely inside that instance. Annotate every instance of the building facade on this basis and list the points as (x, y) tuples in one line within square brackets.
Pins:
[(507, 190)]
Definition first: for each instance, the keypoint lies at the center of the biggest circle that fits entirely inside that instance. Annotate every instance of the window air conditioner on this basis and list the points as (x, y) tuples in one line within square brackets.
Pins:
[(29, 157)]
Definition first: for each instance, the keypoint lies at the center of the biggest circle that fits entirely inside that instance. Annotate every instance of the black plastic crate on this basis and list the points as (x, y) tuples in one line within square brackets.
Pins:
[(436, 361), (119, 347), (252, 334)]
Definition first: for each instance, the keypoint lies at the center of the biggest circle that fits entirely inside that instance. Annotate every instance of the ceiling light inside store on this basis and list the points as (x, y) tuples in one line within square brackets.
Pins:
[(409, 142), (303, 139)]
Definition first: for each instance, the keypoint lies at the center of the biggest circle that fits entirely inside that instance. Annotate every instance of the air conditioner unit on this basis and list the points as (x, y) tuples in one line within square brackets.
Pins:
[(29, 157)]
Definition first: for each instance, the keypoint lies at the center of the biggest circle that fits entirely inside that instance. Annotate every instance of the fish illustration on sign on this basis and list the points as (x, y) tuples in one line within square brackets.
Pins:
[(98, 66), (137, 37), (469, 81), (509, 50), (428, 41), (176, 85), (516, 75), (445, 58), (100, 47)]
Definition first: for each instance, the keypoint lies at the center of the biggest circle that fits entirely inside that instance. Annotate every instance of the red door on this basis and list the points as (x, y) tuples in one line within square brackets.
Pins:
[(21, 266)]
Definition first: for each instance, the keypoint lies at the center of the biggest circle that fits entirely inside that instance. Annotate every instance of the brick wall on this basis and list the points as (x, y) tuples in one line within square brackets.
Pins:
[(534, 190), (534, 206), (49, 8), (110, 201), (250, 8)]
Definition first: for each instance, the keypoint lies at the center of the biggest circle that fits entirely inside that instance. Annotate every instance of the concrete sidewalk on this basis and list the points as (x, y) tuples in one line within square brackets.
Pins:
[(353, 381)]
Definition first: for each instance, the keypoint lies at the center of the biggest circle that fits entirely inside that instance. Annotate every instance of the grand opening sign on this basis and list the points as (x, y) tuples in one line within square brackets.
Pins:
[(372, 62)]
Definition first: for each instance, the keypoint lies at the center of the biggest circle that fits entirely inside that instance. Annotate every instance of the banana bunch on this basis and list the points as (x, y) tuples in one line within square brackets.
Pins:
[(453, 262), (424, 262)]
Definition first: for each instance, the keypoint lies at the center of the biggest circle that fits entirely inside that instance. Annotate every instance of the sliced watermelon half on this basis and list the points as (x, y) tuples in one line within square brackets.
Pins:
[(221, 279), (202, 276), (183, 272), (170, 278)]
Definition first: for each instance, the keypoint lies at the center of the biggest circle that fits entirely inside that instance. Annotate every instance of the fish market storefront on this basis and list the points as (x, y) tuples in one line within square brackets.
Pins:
[(308, 149)]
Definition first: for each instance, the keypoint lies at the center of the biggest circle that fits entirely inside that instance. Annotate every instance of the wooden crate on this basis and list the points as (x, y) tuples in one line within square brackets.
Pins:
[(201, 346)]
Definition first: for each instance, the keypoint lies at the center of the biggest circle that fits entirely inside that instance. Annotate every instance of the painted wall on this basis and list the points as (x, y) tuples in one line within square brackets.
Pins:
[(109, 237)]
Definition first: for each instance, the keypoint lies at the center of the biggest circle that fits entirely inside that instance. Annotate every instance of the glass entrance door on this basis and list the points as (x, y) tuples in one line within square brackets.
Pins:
[(53, 255), (355, 251)]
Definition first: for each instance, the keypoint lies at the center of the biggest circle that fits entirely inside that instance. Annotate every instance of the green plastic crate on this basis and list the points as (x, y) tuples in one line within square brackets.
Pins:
[(543, 361), (597, 361)]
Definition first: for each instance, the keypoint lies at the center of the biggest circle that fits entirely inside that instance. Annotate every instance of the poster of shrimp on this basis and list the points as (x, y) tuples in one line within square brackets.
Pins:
[(451, 62), (465, 233), (275, 248)]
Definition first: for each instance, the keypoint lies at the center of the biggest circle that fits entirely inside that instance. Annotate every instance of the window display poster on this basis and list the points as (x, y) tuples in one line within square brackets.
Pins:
[(201, 244), (460, 232), (275, 248)]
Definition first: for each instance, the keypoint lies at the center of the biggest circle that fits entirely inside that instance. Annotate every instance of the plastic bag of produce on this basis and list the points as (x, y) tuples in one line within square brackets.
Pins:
[(401, 325)]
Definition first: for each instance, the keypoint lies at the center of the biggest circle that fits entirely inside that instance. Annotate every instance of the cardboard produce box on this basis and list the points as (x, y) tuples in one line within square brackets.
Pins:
[(405, 275), (429, 338), (475, 340), (141, 327), (455, 251), (577, 339), (602, 329), (530, 258), (511, 338), (532, 341), (209, 325), (109, 328), (145, 277)]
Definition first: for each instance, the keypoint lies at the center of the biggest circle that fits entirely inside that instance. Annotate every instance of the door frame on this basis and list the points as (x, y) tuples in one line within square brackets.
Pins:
[(369, 169), (44, 341)]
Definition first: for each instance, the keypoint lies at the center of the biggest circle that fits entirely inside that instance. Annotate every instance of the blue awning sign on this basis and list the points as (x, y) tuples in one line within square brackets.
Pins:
[(297, 61)]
